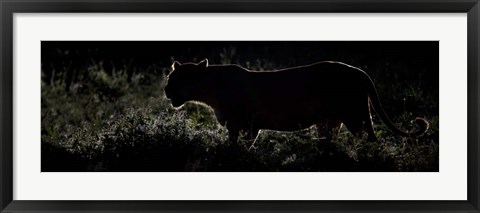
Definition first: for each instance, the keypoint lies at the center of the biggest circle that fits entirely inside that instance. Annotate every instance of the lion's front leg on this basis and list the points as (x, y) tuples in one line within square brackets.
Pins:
[(328, 129), (255, 140)]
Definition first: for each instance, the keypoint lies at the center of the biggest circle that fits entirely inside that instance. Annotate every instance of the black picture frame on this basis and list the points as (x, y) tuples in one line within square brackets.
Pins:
[(9, 7)]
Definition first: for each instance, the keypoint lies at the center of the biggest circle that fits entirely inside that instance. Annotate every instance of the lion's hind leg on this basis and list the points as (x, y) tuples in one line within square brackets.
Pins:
[(369, 129), (359, 125)]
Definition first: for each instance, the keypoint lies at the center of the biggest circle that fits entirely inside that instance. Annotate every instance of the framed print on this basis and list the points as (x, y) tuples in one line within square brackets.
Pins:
[(239, 106)]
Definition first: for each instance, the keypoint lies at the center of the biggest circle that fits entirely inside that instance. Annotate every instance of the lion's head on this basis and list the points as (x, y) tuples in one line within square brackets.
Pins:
[(184, 81)]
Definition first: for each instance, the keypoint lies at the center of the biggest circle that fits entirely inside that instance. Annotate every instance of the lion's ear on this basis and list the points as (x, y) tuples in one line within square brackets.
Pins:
[(175, 65), (203, 63)]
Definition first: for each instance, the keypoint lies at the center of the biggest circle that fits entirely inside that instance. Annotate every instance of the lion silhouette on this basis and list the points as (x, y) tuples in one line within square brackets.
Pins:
[(326, 94)]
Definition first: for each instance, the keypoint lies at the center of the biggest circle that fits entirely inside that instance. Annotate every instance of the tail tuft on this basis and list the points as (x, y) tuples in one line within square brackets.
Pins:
[(423, 125)]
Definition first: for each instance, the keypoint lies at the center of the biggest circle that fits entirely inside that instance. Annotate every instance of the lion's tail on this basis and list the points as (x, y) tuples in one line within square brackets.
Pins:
[(377, 106)]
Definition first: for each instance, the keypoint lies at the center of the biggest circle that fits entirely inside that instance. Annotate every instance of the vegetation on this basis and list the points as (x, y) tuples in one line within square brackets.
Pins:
[(99, 118)]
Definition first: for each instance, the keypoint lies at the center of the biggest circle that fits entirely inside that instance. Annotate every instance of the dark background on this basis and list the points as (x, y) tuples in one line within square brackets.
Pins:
[(418, 56)]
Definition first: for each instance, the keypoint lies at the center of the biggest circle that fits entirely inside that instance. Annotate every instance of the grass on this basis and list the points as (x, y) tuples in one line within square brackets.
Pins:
[(116, 121)]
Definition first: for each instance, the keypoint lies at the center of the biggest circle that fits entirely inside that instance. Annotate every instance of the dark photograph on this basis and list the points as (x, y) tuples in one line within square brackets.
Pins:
[(240, 106)]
